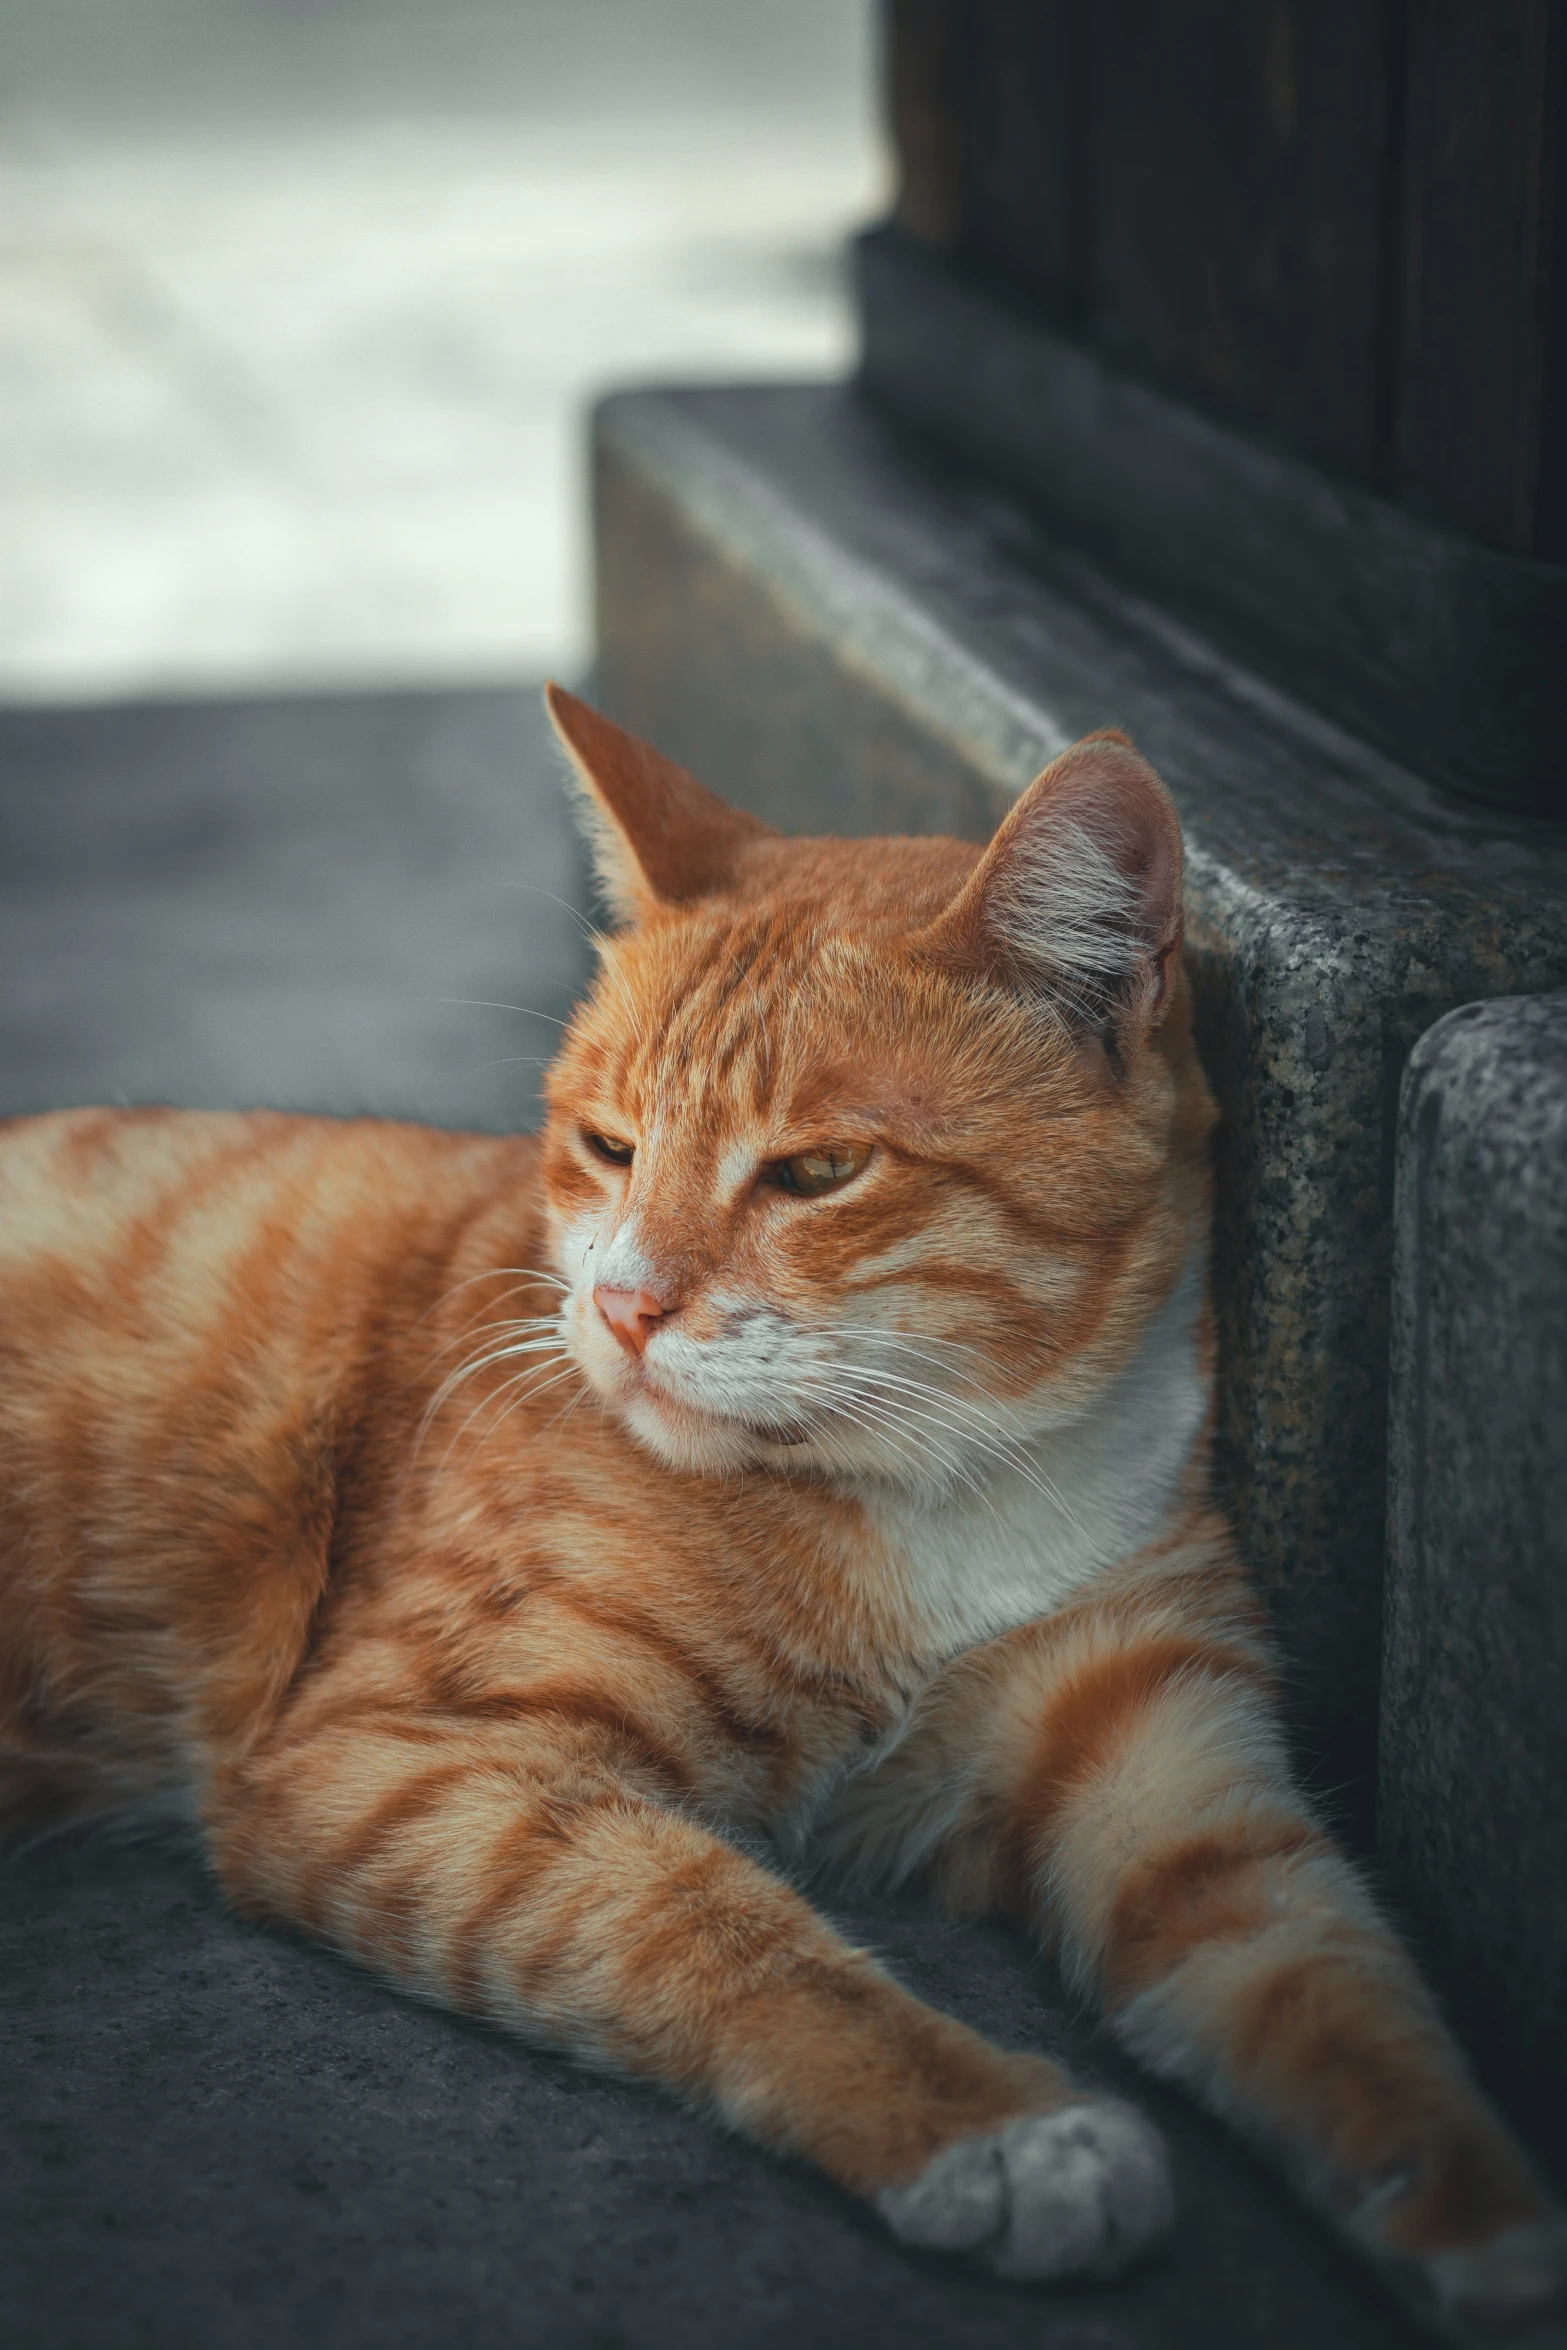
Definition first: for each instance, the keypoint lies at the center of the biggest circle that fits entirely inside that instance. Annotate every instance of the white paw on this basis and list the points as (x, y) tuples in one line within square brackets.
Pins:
[(1513, 2289), (1081, 2192)]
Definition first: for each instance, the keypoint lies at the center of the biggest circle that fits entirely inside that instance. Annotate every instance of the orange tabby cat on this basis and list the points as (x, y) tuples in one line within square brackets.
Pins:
[(497, 1546)]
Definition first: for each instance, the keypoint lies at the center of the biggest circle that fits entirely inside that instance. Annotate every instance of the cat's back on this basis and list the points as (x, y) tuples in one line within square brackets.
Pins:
[(76, 1186), (169, 1273), (152, 1221), (95, 1168)]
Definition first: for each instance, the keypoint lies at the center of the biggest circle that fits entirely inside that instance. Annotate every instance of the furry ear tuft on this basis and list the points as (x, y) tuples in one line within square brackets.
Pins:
[(1078, 897), (657, 837)]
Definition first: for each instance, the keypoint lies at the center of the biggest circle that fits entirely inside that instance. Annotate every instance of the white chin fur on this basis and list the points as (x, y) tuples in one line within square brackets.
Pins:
[(700, 1442), (704, 1444), (688, 1440)]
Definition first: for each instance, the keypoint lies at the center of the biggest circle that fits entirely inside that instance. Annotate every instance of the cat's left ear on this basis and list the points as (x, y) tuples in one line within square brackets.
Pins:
[(658, 838), (1078, 898)]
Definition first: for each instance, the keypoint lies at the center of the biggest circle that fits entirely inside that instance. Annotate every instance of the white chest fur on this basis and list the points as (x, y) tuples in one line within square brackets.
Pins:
[(1091, 1493)]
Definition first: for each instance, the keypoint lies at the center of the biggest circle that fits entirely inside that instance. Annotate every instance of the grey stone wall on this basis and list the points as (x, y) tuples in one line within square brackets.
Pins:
[(1472, 1806)]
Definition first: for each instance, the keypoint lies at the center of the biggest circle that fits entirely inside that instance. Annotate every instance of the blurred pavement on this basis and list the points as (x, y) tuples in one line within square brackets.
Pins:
[(326, 902)]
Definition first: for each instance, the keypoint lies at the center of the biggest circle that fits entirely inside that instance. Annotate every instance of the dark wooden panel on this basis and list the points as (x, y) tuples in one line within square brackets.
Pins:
[(1026, 101), (1242, 206), (1479, 425), (923, 79), (1446, 652)]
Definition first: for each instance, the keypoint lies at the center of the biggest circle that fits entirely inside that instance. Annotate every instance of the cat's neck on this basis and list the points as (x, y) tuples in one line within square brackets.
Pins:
[(1025, 1537)]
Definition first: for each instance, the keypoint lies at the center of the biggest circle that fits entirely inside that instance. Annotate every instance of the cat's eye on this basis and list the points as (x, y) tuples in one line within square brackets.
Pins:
[(604, 1146), (809, 1173)]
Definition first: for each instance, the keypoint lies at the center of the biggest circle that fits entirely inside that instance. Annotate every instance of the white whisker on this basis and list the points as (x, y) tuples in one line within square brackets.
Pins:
[(882, 1426), (494, 1272), (546, 1344), (487, 1400), (934, 1413), (479, 1003), (917, 1342), (526, 1323), (529, 1394), (601, 940)]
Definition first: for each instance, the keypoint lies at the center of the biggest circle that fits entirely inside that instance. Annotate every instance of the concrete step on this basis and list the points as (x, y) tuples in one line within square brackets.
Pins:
[(219, 2138), (1472, 1811), (829, 628)]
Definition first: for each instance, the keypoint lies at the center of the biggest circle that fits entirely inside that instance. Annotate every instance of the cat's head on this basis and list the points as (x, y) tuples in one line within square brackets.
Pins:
[(872, 1158)]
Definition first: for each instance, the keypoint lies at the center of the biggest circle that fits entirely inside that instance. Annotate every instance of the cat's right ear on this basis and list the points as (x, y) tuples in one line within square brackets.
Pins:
[(1077, 900), (658, 838)]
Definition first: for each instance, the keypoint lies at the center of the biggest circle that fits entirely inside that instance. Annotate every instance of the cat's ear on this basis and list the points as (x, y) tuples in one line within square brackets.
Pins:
[(658, 838), (1078, 898)]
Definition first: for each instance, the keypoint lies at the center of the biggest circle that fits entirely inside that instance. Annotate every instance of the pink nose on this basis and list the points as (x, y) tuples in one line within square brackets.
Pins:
[(633, 1315)]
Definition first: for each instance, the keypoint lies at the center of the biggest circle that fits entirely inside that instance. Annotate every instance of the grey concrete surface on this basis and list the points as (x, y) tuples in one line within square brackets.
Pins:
[(1473, 1803), (217, 2138), (213, 2137), (823, 625), (324, 904)]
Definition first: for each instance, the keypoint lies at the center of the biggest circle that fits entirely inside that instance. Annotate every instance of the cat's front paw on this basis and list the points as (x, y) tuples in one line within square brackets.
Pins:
[(1512, 2290), (1080, 2192)]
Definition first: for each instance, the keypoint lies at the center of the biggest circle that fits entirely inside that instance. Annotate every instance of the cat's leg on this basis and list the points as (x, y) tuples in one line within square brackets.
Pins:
[(1117, 1776), (538, 1871)]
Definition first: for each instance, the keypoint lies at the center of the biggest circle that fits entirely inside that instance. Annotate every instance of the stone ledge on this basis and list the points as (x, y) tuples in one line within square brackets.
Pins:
[(837, 635), (1472, 1810)]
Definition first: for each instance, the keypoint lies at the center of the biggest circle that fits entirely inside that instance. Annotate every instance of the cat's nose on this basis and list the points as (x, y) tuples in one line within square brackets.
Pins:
[(633, 1315)]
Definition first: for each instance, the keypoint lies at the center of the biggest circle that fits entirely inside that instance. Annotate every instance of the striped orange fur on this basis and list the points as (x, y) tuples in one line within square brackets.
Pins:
[(499, 1547)]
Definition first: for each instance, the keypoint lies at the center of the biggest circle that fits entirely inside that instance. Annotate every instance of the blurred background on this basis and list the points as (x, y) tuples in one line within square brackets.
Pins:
[(302, 303), (301, 300)]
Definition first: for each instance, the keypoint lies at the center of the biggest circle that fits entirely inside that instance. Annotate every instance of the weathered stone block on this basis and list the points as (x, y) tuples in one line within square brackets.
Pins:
[(1472, 1808), (829, 630)]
